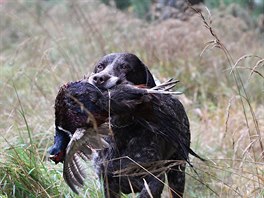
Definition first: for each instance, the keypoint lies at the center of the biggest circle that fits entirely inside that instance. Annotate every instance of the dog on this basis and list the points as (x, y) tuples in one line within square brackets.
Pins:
[(152, 131)]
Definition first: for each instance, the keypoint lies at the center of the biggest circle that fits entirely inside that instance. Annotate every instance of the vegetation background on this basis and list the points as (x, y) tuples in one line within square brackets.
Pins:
[(219, 60)]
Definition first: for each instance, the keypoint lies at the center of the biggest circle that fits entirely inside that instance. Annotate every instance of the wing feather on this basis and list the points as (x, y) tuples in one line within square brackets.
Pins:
[(166, 86), (79, 149)]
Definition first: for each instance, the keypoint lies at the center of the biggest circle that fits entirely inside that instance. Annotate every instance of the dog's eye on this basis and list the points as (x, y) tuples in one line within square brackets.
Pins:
[(123, 67), (100, 67)]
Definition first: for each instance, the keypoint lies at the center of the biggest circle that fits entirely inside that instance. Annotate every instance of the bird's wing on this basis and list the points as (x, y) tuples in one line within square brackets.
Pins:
[(79, 149), (169, 84), (165, 88)]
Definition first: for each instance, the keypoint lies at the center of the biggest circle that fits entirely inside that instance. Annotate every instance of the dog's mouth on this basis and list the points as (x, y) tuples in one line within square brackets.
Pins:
[(111, 82), (108, 84), (107, 81), (119, 81)]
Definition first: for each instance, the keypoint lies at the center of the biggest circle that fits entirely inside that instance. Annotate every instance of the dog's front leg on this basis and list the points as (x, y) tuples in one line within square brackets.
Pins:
[(111, 194), (111, 189), (153, 185)]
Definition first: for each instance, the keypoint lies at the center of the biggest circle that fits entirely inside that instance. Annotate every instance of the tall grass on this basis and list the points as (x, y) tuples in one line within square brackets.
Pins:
[(23, 172), (48, 43)]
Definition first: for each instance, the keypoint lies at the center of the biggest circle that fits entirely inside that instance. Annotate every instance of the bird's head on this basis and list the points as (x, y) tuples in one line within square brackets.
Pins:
[(58, 150), (75, 107)]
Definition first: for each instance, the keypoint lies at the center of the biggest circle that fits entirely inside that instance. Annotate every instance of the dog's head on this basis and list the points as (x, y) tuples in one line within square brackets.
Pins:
[(116, 68)]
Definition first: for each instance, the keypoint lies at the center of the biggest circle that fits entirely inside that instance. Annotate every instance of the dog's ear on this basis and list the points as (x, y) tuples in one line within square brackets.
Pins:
[(150, 82), (141, 75)]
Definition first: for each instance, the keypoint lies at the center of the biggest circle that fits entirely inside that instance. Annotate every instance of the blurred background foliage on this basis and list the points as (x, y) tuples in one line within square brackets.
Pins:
[(142, 8), (256, 7), (46, 43)]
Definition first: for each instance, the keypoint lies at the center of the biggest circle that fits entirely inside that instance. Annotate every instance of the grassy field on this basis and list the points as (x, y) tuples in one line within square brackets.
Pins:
[(220, 65)]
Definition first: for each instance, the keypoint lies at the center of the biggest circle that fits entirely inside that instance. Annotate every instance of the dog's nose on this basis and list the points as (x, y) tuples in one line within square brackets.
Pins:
[(99, 79)]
